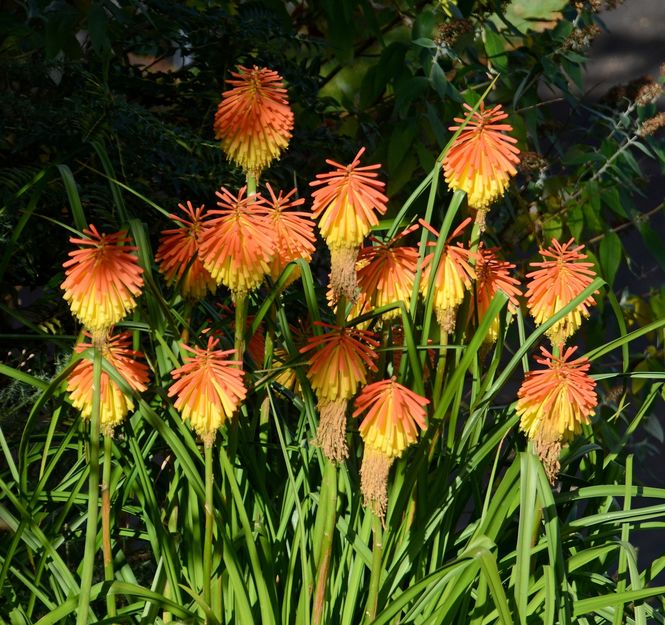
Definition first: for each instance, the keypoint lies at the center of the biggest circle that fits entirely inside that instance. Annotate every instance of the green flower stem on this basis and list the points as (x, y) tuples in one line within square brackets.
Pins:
[(440, 367), (375, 576), (328, 501), (251, 184), (241, 299), (88, 565), (474, 241), (239, 346), (109, 574), (187, 316), (209, 520), (241, 321), (340, 316), (264, 415)]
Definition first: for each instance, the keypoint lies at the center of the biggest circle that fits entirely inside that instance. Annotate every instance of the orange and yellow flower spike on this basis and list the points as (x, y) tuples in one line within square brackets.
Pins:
[(452, 279), (114, 404), (177, 255), (102, 280), (394, 416), (254, 120), (338, 362), (346, 205), (293, 232), (482, 158), (237, 247), (493, 276), (208, 389), (387, 272), (561, 277), (554, 403)]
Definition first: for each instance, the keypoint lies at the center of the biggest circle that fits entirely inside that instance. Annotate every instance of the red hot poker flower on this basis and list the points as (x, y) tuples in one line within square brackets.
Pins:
[(387, 272), (114, 404), (254, 120), (452, 279), (237, 247), (394, 415), (346, 205), (338, 362), (482, 158), (294, 231), (555, 402), (102, 280), (208, 389), (493, 275), (558, 281), (177, 255)]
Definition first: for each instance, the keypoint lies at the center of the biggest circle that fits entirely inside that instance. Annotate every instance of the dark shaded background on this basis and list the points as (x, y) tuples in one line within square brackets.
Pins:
[(634, 46)]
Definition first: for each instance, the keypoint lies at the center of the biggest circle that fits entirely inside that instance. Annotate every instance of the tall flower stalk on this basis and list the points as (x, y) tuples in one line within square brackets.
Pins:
[(88, 565), (102, 282), (109, 574), (208, 390)]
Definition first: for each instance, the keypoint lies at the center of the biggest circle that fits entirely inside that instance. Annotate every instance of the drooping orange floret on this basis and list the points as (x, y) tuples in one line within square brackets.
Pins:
[(347, 203), (482, 159), (102, 280), (557, 283), (237, 247), (293, 232), (555, 402), (208, 389), (452, 279), (394, 414), (254, 120), (114, 404), (493, 276), (177, 255), (338, 362), (386, 273)]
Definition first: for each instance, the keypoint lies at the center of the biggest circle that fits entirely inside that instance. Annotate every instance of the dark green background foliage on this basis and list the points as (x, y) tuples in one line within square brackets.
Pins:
[(78, 108), (390, 77)]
